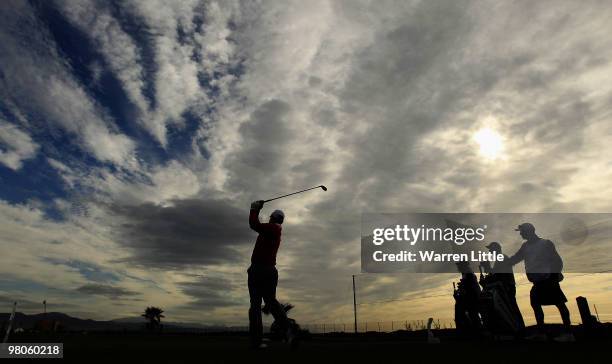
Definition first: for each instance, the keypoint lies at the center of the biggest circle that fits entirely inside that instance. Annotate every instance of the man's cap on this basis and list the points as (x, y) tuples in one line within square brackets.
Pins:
[(493, 246), (278, 213), (527, 227)]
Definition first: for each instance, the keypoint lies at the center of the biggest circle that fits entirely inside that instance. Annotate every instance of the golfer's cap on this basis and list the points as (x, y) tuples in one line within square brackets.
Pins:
[(278, 213), (493, 246), (525, 227)]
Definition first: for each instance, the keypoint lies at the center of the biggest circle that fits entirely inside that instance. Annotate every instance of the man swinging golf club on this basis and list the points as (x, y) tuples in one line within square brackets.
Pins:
[(262, 274)]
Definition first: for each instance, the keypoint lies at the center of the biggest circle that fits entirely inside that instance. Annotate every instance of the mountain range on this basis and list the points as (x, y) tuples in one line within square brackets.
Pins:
[(70, 323)]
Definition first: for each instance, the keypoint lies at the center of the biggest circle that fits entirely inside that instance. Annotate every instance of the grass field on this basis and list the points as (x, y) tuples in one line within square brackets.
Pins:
[(378, 349)]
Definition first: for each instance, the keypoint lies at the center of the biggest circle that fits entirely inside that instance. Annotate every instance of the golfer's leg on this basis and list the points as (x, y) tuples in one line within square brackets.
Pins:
[(565, 315), (255, 323), (269, 297), (538, 312)]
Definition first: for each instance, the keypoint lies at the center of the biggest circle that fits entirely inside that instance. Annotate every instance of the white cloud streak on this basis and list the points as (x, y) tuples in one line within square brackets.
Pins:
[(16, 146), (38, 81)]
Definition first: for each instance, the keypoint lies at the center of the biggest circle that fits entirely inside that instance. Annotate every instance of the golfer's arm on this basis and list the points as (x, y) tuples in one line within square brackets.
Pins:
[(254, 222), (516, 258)]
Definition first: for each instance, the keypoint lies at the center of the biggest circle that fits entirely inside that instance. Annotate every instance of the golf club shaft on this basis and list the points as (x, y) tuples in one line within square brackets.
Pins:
[(294, 193)]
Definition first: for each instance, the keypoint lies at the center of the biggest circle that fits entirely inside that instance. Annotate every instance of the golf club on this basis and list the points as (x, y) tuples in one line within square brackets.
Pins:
[(308, 189)]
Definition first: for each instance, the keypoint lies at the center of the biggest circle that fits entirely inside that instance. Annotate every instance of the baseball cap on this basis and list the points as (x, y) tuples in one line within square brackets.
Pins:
[(278, 213), (493, 246), (525, 227)]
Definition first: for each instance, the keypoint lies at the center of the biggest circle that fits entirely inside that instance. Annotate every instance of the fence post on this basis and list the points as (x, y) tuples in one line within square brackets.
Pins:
[(355, 304)]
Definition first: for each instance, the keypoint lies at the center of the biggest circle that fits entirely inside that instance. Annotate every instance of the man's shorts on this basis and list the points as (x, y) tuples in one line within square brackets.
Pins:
[(547, 292)]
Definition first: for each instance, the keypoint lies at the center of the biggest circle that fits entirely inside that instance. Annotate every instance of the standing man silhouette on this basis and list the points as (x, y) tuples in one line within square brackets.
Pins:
[(543, 266), (262, 274)]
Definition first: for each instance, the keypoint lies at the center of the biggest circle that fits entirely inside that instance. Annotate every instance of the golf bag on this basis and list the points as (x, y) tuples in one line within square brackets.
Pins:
[(466, 294), (499, 310)]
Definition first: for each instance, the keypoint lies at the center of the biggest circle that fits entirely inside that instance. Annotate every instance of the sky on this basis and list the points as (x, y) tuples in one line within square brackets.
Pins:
[(135, 134)]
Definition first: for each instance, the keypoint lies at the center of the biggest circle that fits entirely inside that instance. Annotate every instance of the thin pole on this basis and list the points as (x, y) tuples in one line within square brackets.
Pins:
[(354, 304), (596, 313), (10, 325)]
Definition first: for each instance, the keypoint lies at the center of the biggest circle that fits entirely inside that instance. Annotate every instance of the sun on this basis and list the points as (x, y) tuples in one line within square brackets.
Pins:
[(490, 142)]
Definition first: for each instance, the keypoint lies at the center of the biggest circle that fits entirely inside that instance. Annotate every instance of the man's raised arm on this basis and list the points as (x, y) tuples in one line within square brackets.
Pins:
[(518, 257), (254, 222)]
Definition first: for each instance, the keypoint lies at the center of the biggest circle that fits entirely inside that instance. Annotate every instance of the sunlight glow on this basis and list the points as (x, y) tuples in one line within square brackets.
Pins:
[(490, 142)]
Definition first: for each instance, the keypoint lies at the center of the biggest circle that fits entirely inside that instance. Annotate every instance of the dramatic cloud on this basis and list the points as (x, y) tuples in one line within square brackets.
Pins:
[(210, 293), (105, 290), (37, 81), (185, 233)]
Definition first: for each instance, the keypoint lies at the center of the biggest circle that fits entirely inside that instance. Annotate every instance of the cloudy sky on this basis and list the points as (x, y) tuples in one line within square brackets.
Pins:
[(135, 134)]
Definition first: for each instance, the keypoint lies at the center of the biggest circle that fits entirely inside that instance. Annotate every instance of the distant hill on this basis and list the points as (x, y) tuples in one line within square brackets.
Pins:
[(76, 324), (129, 320), (70, 323)]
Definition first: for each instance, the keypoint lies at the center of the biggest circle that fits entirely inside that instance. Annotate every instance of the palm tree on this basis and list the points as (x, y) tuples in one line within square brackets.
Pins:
[(154, 315)]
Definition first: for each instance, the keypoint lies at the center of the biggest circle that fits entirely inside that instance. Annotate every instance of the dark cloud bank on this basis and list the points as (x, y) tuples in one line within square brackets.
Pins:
[(190, 232)]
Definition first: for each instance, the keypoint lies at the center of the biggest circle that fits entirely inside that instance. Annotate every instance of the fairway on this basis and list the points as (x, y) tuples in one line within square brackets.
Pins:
[(233, 348)]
